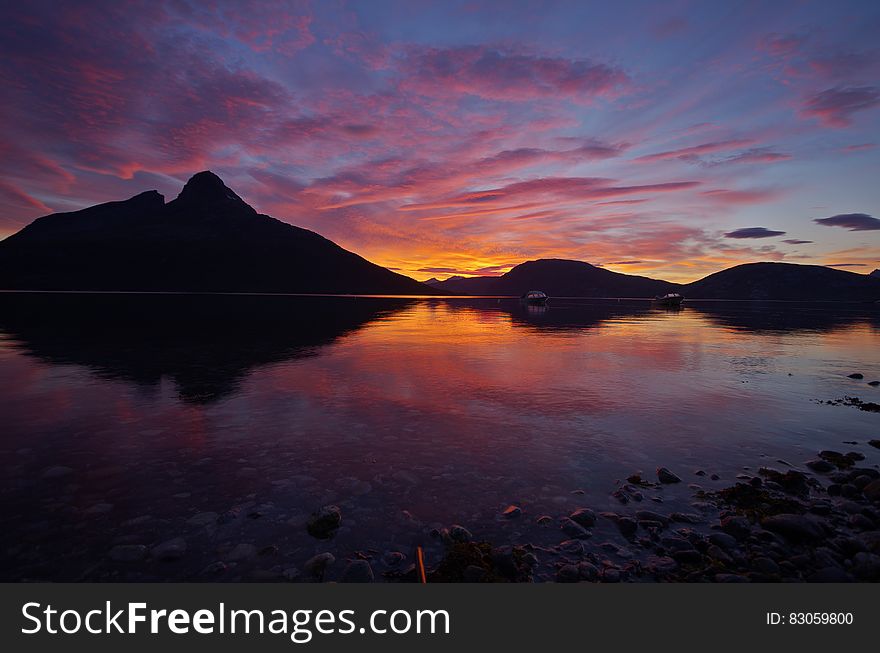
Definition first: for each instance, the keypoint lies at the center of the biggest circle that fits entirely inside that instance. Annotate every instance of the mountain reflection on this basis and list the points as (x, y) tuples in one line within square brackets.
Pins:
[(755, 317), (206, 344)]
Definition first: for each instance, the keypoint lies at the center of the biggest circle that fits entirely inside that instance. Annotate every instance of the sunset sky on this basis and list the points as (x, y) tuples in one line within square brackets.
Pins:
[(670, 139)]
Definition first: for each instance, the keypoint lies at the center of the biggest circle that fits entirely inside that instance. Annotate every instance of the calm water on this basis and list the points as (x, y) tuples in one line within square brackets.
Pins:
[(123, 417)]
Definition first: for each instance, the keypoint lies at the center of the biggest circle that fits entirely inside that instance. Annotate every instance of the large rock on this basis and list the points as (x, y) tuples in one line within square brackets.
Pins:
[(323, 523), (796, 528), (665, 476)]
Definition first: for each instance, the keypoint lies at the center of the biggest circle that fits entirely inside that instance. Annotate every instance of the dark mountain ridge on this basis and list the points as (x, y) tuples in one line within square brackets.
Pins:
[(754, 281), (206, 240), (785, 281), (559, 278)]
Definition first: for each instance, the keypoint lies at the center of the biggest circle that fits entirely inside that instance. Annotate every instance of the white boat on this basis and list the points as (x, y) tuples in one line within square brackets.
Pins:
[(534, 297)]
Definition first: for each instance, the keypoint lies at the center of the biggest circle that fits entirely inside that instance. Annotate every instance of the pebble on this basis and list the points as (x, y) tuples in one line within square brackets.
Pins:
[(393, 558), (100, 509), (170, 549), (821, 466), (291, 573), (737, 526), (568, 574), (765, 566), (797, 528), (627, 526), (584, 516), (317, 564), (611, 575), (716, 552), (588, 571), (460, 533), (214, 568), (730, 578), (358, 571), (723, 540), (323, 523), (572, 528), (128, 552), (649, 515), (665, 476), (473, 574), (241, 553), (512, 512), (59, 471), (872, 490), (203, 519)]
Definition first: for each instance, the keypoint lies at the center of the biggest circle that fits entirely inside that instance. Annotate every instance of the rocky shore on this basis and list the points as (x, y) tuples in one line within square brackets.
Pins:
[(821, 524)]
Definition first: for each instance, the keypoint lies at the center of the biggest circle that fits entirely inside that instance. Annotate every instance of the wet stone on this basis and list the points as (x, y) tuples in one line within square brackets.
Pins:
[(316, 565), (393, 558), (512, 512), (59, 471), (358, 571), (572, 528), (128, 552), (241, 553), (737, 526), (797, 528), (172, 549), (460, 533), (665, 476), (584, 516), (473, 574), (568, 574), (587, 571), (323, 523), (627, 526), (203, 519)]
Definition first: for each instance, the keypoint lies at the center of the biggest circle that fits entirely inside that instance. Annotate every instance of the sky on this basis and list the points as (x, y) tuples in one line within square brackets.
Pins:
[(667, 139)]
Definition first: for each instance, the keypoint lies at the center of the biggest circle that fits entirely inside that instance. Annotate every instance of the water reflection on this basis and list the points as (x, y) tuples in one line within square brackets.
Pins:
[(225, 421), (206, 344)]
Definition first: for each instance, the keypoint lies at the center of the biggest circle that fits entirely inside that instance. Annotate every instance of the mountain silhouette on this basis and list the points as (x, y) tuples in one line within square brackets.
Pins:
[(758, 281), (559, 278), (875, 273), (206, 240), (785, 281), (205, 344)]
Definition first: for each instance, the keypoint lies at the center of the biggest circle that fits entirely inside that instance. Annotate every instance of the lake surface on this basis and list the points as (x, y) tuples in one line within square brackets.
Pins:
[(227, 420)]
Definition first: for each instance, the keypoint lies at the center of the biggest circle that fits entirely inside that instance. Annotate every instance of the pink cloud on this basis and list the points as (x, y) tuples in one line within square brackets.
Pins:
[(695, 150), (506, 75), (835, 106)]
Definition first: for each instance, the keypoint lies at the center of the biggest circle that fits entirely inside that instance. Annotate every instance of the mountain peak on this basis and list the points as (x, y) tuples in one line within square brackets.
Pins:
[(206, 188), (876, 273)]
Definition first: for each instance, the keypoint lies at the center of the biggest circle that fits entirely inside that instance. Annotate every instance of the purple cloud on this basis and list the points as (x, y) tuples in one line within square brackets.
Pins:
[(851, 221), (835, 106), (795, 241), (753, 232)]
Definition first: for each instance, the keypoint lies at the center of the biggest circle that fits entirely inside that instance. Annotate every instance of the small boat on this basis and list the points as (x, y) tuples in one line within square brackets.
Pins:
[(672, 299), (535, 297)]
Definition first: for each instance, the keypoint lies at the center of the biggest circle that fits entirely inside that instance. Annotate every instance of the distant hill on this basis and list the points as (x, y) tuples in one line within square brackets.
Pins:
[(559, 278), (875, 273), (772, 281), (785, 281), (206, 240)]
